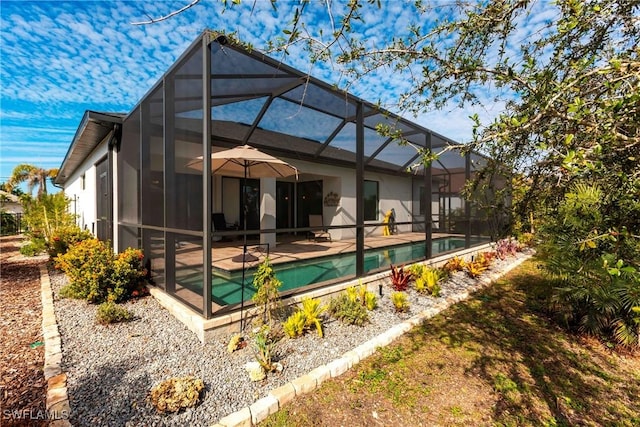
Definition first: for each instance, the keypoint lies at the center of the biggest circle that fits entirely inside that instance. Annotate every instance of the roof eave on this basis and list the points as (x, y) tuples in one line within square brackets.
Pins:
[(88, 117)]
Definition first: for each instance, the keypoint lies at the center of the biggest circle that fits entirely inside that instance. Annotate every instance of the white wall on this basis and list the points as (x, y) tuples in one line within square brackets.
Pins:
[(85, 199), (393, 191)]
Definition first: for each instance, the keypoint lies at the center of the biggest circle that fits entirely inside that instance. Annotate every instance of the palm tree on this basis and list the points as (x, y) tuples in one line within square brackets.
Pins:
[(34, 177)]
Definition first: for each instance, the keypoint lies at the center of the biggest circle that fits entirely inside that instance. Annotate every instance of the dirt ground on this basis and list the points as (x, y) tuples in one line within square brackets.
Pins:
[(22, 384)]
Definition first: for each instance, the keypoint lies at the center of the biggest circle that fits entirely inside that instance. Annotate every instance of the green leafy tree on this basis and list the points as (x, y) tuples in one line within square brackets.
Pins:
[(34, 176), (46, 214), (569, 134)]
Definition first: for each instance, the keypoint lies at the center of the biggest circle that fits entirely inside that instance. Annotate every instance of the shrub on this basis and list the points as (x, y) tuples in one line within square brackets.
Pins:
[(360, 294), (175, 394), (526, 239), (352, 293), (400, 302), (475, 269), (87, 265), (454, 264), (399, 278), (308, 314), (33, 247), (64, 237), (506, 248), (429, 281), (127, 274), (416, 270), (110, 312), (264, 344), (295, 324), (96, 275), (595, 266), (348, 311), (266, 284), (370, 301), (45, 214)]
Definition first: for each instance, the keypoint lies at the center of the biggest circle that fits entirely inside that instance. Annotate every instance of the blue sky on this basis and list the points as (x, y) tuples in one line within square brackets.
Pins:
[(58, 59)]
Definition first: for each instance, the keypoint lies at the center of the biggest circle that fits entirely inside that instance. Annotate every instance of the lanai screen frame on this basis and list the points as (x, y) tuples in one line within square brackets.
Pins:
[(182, 91)]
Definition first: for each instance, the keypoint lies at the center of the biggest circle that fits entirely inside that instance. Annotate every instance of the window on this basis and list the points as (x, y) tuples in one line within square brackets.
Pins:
[(423, 201), (370, 200)]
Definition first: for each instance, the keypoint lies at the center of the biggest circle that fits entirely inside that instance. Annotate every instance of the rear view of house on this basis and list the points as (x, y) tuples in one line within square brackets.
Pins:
[(134, 183)]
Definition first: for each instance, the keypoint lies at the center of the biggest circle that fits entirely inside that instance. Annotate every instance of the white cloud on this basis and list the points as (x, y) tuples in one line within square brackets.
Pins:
[(61, 58)]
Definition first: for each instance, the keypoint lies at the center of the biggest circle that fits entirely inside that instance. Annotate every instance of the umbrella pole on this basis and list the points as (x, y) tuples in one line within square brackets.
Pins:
[(244, 246)]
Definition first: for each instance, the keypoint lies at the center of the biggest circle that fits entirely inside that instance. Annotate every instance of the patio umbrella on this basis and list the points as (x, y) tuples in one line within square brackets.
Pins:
[(246, 161)]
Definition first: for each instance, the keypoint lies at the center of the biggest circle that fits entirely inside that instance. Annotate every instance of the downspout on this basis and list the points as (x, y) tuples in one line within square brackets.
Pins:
[(114, 143)]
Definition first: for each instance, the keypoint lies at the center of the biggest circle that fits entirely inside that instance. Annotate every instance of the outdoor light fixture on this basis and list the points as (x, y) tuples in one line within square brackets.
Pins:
[(380, 289)]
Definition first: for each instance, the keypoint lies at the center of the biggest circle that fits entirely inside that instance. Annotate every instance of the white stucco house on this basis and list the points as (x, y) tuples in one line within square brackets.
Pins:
[(129, 175)]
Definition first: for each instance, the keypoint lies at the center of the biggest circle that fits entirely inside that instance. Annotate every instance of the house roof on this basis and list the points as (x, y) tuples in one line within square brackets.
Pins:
[(94, 128), (9, 197)]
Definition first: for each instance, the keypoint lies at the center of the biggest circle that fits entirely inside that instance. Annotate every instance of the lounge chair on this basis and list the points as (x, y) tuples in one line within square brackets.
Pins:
[(321, 232), (220, 224)]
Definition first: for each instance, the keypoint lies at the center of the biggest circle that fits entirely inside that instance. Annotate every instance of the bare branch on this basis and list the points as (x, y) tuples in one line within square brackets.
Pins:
[(163, 18)]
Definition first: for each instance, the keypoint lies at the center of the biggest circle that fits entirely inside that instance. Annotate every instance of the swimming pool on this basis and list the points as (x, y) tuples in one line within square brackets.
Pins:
[(226, 288)]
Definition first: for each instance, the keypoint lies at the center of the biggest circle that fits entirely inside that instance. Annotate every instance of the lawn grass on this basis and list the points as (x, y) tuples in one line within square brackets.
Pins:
[(495, 359)]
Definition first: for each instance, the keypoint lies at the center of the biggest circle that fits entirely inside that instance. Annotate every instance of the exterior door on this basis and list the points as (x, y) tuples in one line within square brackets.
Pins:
[(103, 199), (309, 201), (284, 204)]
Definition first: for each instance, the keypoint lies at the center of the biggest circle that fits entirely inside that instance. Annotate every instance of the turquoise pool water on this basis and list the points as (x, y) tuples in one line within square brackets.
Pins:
[(226, 289)]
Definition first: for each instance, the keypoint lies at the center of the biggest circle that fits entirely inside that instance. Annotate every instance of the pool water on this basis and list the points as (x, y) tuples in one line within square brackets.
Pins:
[(226, 288)]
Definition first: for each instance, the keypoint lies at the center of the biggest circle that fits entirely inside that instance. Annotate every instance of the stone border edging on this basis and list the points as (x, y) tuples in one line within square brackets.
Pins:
[(277, 398), (58, 408)]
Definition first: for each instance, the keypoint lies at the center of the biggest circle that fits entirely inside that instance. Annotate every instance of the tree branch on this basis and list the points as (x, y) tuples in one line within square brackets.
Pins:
[(163, 18)]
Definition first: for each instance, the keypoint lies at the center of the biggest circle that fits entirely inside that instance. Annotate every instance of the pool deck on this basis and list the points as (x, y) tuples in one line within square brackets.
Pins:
[(228, 256)]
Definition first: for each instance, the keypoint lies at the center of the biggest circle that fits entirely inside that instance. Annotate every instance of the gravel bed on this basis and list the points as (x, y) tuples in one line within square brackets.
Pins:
[(111, 369)]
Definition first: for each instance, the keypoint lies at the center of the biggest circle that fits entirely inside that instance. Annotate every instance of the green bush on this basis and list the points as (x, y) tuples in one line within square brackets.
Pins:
[(429, 281), (595, 266), (309, 314), (295, 324), (8, 223), (348, 311), (64, 237), (127, 274), (96, 275), (45, 214), (33, 247), (110, 312), (362, 296), (400, 301)]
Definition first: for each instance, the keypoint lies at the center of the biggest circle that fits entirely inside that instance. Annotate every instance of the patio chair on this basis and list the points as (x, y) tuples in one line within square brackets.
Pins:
[(220, 224), (321, 233)]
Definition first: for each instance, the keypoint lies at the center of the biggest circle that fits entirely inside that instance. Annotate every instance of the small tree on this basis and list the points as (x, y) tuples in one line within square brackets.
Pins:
[(45, 214), (266, 285)]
